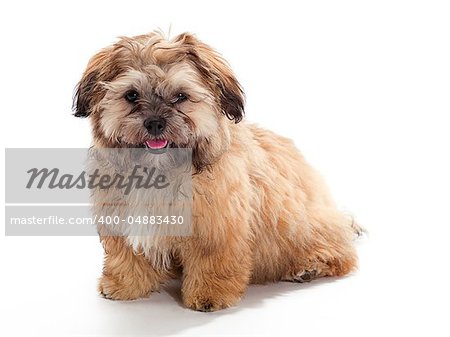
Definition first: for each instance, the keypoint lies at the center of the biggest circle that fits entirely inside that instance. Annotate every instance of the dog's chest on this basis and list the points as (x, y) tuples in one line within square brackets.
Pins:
[(146, 216)]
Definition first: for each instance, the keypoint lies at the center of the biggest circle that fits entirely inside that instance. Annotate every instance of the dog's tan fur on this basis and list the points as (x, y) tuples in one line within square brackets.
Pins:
[(260, 212)]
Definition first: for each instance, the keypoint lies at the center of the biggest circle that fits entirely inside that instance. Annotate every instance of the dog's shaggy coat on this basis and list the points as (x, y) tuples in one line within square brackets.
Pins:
[(260, 212)]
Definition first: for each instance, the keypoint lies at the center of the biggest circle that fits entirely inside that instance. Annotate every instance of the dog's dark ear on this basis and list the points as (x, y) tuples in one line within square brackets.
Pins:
[(83, 95), (89, 90), (232, 97), (213, 67)]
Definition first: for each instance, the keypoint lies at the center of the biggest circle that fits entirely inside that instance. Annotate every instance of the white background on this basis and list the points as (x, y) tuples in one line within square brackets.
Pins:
[(361, 86)]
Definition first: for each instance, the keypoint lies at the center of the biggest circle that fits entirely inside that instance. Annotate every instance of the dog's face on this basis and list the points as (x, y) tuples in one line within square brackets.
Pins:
[(149, 92)]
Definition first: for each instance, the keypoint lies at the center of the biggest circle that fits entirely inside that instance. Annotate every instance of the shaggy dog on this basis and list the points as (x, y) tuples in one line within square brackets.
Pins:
[(260, 213)]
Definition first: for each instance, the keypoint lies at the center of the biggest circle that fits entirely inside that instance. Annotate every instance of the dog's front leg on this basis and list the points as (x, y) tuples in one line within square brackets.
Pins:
[(126, 275), (216, 279)]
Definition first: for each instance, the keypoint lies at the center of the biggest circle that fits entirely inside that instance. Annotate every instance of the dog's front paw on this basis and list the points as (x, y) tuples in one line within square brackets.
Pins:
[(110, 288), (207, 303), (208, 300)]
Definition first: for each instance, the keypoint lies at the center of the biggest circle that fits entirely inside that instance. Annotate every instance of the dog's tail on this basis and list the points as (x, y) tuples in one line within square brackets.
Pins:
[(356, 227)]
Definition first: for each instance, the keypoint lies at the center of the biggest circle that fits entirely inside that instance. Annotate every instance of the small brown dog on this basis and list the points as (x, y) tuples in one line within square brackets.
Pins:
[(260, 212)]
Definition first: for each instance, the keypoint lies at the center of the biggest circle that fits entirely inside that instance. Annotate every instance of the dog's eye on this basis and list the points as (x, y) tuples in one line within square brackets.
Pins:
[(131, 96), (180, 97)]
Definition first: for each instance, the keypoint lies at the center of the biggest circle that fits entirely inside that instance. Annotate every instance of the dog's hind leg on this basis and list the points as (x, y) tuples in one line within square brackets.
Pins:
[(325, 247)]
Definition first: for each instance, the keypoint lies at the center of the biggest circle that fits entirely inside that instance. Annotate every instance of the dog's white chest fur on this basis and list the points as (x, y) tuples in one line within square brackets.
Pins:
[(147, 216)]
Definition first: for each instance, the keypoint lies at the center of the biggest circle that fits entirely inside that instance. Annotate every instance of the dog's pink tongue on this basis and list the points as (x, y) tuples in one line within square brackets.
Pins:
[(156, 144)]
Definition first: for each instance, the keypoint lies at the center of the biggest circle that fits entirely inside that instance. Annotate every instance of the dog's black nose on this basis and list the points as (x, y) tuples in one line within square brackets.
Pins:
[(155, 126)]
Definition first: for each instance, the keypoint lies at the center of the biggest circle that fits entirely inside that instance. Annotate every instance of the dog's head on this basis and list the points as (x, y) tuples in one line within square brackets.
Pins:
[(147, 91)]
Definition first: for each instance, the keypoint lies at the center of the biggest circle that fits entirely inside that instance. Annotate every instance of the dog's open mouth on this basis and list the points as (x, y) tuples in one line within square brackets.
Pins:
[(156, 144)]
